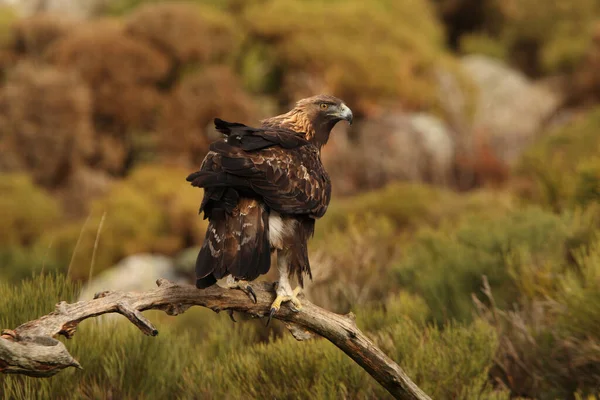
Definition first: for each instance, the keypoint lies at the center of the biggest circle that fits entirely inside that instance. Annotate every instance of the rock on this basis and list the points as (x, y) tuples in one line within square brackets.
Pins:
[(185, 261), (511, 109), (71, 8), (393, 146), (134, 273)]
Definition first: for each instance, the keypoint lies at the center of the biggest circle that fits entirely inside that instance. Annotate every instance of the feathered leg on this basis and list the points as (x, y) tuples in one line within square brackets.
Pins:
[(283, 288)]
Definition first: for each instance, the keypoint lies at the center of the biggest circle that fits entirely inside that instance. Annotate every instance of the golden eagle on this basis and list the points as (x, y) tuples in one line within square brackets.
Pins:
[(263, 190)]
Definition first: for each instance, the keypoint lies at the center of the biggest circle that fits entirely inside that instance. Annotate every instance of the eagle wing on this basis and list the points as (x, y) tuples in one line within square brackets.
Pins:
[(278, 165)]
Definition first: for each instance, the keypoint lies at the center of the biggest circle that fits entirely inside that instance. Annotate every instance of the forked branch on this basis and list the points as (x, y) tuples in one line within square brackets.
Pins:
[(32, 349)]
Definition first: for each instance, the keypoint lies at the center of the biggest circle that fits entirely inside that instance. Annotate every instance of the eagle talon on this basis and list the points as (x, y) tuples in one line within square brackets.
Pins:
[(230, 313), (271, 313), (252, 294), (245, 287), (275, 306)]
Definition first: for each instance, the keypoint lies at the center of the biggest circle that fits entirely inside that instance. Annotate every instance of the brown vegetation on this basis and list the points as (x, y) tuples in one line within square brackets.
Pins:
[(188, 116), (45, 123), (31, 37), (186, 33)]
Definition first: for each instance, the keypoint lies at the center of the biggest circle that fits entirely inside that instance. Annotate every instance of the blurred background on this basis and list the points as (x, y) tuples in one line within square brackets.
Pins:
[(464, 226)]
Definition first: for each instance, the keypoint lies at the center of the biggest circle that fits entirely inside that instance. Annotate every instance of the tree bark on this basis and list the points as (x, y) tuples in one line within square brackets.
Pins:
[(31, 349)]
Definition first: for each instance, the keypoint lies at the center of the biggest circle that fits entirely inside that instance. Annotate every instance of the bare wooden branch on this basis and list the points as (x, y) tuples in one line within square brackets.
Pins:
[(32, 350)]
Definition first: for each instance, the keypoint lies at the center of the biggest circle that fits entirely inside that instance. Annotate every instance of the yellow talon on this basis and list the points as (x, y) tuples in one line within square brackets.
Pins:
[(296, 305), (275, 306)]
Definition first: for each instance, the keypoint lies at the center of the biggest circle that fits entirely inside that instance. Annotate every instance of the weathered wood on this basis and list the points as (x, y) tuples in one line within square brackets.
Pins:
[(32, 350)]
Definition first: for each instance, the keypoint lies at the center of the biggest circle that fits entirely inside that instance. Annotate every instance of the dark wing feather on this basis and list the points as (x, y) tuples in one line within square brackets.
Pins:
[(277, 165)]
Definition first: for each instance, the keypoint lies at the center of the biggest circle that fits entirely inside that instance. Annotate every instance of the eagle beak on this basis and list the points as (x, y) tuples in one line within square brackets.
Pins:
[(346, 113)]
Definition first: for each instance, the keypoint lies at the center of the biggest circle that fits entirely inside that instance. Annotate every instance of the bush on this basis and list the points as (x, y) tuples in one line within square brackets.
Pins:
[(452, 363), (352, 266), (125, 7), (308, 52), (411, 206), (26, 211), (123, 74), (187, 123), (539, 37), (44, 123), (587, 188), (7, 18), (446, 266), (559, 169), (185, 32), (32, 36), (153, 210), (549, 346)]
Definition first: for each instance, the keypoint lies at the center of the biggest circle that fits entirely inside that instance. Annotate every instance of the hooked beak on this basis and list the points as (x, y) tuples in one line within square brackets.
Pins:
[(345, 113)]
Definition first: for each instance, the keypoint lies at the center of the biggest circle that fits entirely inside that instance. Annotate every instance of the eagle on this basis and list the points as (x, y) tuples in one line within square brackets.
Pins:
[(264, 188)]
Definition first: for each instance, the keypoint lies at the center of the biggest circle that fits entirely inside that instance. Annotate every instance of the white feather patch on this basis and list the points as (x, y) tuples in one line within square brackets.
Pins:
[(279, 229)]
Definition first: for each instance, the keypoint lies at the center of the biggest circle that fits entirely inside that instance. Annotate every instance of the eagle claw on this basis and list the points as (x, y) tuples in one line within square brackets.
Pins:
[(245, 287), (295, 304), (230, 313), (271, 313), (252, 294)]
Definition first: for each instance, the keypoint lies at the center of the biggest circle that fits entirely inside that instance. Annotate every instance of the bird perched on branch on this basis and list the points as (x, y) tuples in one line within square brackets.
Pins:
[(263, 190)]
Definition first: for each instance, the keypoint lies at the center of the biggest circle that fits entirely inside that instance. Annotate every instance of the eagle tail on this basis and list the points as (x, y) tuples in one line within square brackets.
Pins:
[(236, 244)]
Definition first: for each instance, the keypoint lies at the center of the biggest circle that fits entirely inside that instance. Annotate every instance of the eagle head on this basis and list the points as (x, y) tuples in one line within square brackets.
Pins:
[(316, 116), (313, 117), (325, 109)]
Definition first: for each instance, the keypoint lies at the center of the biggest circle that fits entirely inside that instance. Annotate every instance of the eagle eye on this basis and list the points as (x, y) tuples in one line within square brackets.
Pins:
[(324, 106)]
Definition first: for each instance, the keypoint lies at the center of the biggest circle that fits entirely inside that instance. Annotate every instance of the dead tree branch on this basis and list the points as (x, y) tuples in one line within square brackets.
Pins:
[(32, 349)]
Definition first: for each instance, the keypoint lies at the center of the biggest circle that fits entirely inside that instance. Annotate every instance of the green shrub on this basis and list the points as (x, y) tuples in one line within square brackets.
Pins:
[(549, 344), (153, 210), (7, 17), (319, 40), (20, 262), (446, 266), (483, 44), (587, 187), (410, 206), (352, 266), (395, 309), (124, 7), (536, 35), (448, 363), (559, 169), (26, 211), (580, 292)]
